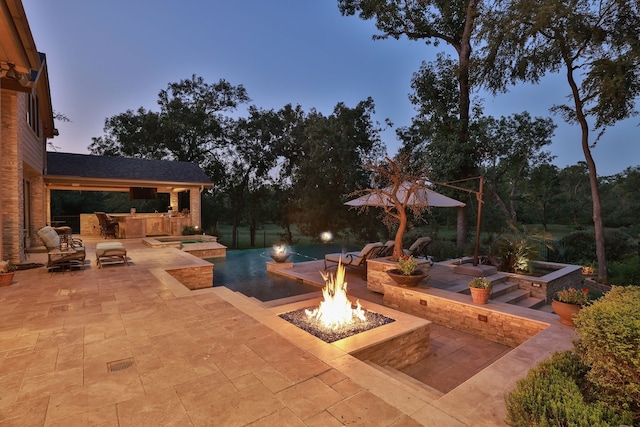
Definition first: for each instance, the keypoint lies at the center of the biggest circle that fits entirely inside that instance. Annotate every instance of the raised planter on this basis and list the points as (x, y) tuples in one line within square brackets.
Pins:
[(377, 275), (404, 280)]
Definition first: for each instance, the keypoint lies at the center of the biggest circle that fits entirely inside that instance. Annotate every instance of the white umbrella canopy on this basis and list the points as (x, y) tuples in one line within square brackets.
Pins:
[(422, 196)]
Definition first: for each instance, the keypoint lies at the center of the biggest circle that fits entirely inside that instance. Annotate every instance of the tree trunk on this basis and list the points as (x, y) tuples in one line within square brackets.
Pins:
[(252, 233), (593, 180), (234, 232), (402, 226)]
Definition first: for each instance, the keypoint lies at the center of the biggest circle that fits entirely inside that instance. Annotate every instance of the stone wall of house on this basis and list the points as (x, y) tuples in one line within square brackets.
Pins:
[(481, 320), (22, 163), (11, 172)]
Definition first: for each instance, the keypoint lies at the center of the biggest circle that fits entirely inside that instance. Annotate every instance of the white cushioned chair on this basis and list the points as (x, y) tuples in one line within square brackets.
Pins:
[(63, 251)]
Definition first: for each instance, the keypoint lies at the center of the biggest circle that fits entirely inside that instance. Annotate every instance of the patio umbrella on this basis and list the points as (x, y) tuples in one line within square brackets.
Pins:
[(422, 196)]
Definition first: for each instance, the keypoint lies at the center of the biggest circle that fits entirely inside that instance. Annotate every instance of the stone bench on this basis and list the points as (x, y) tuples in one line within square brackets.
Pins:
[(111, 252)]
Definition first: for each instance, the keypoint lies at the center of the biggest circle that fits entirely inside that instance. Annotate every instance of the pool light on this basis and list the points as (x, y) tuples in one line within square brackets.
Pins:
[(279, 252)]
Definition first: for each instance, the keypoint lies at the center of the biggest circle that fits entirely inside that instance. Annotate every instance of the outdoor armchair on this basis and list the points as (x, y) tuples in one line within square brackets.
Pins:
[(68, 252)]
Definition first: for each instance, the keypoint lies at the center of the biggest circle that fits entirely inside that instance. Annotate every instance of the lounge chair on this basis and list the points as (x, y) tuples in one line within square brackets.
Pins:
[(61, 253), (387, 250), (355, 259), (419, 248)]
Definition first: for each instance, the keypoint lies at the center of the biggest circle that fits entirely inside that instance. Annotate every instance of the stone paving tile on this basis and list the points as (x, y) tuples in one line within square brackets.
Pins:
[(365, 409), (30, 412), (156, 408), (106, 416), (210, 357), (241, 408), (309, 398)]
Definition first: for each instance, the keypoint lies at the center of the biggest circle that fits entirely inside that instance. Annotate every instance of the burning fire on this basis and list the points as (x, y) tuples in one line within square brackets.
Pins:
[(335, 310)]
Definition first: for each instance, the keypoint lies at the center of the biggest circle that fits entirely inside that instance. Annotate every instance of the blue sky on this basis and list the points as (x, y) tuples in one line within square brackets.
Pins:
[(107, 57)]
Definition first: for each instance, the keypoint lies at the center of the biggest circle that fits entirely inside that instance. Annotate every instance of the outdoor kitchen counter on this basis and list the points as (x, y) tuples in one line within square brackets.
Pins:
[(137, 225)]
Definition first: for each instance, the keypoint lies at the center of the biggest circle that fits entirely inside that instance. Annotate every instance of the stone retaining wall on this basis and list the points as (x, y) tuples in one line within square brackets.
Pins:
[(401, 351), (481, 320), (194, 277)]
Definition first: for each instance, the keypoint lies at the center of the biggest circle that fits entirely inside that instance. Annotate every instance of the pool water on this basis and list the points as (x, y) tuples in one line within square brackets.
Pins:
[(245, 271)]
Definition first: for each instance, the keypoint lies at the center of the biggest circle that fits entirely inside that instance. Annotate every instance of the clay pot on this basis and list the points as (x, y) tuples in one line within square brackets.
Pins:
[(565, 311), (480, 295), (6, 278)]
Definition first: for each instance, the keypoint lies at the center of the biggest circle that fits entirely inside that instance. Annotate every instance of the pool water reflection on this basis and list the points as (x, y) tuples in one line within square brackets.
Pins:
[(245, 271)]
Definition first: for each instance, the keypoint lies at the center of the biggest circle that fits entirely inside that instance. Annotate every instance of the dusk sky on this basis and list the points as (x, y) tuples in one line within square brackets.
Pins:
[(107, 57)]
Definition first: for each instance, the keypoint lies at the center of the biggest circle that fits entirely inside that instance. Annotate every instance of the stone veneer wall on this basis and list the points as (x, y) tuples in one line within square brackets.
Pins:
[(208, 253), (401, 351), (479, 320), (194, 277)]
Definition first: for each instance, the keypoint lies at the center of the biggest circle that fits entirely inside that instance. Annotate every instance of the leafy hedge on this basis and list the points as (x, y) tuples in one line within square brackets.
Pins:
[(550, 396), (609, 342), (598, 384), (580, 246)]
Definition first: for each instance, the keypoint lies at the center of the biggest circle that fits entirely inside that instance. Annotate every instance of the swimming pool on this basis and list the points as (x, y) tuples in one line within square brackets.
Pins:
[(245, 271)]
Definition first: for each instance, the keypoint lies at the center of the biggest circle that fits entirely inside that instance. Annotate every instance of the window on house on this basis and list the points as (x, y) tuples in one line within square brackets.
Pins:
[(33, 117)]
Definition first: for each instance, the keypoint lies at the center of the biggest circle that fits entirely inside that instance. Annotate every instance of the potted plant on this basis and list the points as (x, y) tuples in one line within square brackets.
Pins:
[(407, 273), (568, 303), (480, 288), (7, 270)]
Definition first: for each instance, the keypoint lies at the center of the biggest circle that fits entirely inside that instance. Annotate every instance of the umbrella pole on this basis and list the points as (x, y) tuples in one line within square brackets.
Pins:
[(476, 247)]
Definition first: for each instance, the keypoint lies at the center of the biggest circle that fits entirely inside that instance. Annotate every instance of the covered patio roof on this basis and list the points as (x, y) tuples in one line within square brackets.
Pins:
[(69, 171)]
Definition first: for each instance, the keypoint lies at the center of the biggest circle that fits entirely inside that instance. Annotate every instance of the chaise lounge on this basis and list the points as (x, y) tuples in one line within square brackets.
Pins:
[(62, 251), (355, 259)]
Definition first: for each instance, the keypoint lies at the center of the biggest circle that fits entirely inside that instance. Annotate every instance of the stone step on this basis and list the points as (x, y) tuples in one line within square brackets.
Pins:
[(496, 280), (531, 302), (502, 288), (511, 297), (414, 384)]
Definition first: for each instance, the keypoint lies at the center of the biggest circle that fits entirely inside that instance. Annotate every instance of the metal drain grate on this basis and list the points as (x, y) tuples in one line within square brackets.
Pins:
[(120, 365)]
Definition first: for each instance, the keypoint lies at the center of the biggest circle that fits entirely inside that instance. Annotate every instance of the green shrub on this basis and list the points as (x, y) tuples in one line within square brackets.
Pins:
[(443, 249), (581, 246), (550, 395), (626, 272), (189, 230), (609, 343)]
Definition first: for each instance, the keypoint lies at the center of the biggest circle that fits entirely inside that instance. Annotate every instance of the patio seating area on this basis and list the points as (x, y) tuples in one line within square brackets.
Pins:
[(133, 346)]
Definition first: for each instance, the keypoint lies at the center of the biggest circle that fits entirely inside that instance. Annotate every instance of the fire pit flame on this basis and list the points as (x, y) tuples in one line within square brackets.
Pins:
[(336, 310)]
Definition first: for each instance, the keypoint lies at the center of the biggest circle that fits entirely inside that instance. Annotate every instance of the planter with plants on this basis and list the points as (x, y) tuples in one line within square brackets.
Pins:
[(568, 302), (7, 271), (480, 288), (407, 273)]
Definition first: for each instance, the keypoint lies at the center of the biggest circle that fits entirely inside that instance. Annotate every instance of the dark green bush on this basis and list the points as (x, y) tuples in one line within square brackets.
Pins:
[(581, 246), (442, 250), (609, 343), (550, 395), (626, 272), (189, 230)]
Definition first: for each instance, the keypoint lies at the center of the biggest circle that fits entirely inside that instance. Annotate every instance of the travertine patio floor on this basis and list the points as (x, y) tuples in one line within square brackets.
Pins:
[(131, 346)]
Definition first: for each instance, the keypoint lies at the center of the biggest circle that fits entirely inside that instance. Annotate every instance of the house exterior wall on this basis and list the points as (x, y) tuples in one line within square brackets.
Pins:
[(21, 165)]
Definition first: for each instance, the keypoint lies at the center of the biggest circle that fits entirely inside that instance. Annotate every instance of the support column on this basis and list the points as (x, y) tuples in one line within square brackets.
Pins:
[(195, 201)]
